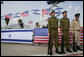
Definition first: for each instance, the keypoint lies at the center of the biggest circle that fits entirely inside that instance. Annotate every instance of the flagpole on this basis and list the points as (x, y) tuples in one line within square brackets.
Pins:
[(29, 21), (42, 15)]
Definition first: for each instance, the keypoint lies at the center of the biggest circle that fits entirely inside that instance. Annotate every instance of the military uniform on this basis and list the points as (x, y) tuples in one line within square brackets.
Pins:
[(53, 33), (64, 27), (76, 29), (52, 28)]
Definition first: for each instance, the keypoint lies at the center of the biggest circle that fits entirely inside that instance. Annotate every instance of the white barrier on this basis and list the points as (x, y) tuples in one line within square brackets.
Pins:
[(17, 36)]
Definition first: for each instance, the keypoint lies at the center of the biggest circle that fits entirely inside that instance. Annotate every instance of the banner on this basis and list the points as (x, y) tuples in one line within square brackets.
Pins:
[(36, 11), (8, 15), (41, 35), (17, 15), (17, 36), (26, 13)]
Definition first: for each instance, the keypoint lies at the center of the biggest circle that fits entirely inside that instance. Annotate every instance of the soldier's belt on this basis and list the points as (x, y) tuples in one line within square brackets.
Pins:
[(77, 30), (53, 28)]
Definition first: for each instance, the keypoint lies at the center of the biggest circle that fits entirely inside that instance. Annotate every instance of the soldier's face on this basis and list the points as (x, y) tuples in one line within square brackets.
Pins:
[(65, 14), (77, 17), (53, 14)]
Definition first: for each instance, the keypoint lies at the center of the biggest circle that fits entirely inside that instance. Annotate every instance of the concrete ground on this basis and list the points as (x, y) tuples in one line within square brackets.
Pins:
[(10, 49)]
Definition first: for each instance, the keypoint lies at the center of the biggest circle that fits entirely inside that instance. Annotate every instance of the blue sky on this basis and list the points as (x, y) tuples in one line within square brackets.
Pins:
[(72, 7)]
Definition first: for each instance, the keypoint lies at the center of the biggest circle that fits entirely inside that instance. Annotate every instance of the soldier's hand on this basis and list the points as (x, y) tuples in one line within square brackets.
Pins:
[(73, 34)]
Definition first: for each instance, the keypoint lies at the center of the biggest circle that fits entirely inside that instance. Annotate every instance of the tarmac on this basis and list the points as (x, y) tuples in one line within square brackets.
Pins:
[(13, 49)]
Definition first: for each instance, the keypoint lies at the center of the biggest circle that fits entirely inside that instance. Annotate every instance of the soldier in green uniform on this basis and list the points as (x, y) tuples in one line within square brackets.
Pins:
[(53, 32), (64, 27)]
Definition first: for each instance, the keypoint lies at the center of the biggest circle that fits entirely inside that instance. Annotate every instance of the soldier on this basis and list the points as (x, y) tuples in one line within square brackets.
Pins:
[(76, 31), (53, 32), (64, 27)]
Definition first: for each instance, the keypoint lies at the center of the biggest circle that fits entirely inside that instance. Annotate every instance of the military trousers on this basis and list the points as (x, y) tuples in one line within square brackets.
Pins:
[(53, 36), (77, 37), (66, 38)]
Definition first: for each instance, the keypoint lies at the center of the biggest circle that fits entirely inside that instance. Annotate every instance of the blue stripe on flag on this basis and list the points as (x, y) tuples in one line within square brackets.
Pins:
[(18, 31), (17, 40)]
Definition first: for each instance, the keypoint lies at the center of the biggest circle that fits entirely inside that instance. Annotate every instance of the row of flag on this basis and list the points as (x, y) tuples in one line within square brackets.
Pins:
[(16, 15), (10, 15), (36, 12)]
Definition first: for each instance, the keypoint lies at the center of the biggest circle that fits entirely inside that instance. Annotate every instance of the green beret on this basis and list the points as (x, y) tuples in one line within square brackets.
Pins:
[(64, 12)]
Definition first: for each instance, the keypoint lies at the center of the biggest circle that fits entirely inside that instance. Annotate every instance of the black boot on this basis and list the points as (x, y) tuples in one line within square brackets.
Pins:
[(74, 47), (62, 45), (68, 49), (78, 48), (62, 50), (50, 52), (57, 51)]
